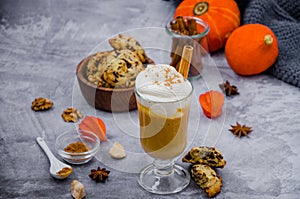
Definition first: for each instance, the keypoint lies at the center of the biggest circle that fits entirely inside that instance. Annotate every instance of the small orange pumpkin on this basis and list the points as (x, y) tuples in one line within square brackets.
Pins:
[(222, 16), (251, 49)]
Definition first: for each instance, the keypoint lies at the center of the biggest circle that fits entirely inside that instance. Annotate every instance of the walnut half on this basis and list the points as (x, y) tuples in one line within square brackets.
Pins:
[(41, 104), (71, 115)]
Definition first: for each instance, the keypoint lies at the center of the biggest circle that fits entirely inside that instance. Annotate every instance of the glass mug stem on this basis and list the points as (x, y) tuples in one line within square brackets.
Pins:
[(164, 177), (163, 167)]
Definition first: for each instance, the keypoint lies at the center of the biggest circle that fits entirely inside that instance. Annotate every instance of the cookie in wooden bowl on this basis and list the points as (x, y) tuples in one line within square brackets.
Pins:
[(107, 79)]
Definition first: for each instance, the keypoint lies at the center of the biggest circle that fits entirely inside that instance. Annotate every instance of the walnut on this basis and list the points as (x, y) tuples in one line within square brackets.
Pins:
[(41, 104), (77, 190), (71, 115)]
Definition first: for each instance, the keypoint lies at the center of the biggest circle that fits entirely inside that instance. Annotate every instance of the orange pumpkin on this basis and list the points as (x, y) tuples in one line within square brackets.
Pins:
[(251, 49), (222, 16)]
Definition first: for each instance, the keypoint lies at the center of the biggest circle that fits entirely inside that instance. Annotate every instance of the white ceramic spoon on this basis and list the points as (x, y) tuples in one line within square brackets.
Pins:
[(55, 164)]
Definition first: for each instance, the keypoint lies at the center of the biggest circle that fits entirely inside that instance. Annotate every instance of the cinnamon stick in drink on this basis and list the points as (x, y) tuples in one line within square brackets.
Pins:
[(185, 60)]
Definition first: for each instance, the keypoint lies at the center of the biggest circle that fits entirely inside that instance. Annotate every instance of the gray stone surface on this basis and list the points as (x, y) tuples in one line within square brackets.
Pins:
[(41, 43)]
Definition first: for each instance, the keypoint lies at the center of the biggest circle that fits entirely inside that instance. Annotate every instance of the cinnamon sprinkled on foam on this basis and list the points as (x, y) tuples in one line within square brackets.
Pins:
[(171, 78)]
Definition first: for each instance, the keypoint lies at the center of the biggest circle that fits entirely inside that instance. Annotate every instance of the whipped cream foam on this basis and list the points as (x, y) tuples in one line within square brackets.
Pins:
[(162, 83)]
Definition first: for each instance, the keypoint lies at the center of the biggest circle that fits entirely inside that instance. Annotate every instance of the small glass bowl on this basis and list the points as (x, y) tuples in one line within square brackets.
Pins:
[(202, 28), (70, 136)]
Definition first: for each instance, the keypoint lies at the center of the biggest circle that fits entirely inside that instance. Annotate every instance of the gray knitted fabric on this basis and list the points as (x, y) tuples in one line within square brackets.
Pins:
[(283, 18)]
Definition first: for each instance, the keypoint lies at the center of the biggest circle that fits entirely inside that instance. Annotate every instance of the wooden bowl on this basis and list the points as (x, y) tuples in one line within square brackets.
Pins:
[(106, 99)]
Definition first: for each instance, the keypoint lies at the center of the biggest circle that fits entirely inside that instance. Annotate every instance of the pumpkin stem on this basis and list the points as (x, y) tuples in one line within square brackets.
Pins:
[(227, 35), (268, 40), (200, 8)]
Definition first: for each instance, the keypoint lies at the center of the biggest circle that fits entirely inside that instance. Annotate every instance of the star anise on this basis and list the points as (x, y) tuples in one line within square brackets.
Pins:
[(99, 175), (229, 89), (240, 130)]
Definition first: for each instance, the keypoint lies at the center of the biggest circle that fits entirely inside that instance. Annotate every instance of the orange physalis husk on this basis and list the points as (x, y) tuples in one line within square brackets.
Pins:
[(95, 125), (212, 103)]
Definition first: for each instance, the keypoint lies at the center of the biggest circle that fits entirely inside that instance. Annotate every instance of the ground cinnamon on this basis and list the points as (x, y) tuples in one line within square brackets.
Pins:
[(64, 172), (77, 147)]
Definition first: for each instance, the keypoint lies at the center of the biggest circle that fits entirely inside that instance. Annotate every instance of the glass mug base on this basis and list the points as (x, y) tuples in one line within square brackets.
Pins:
[(164, 178)]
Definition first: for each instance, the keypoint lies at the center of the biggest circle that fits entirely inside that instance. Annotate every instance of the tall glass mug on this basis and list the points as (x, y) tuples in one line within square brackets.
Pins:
[(163, 116)]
